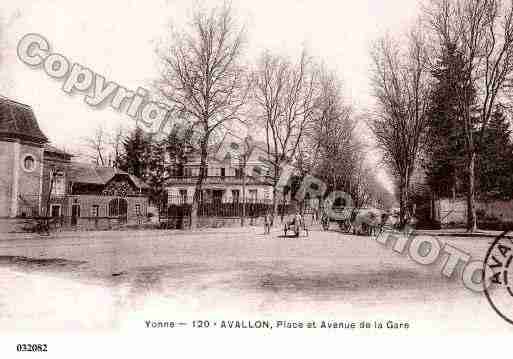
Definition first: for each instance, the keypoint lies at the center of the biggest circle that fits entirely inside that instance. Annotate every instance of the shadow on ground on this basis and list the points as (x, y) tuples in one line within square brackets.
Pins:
[(44, 264)]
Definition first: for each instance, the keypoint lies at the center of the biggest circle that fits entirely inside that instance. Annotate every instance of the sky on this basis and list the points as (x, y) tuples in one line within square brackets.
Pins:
[(117, 39)]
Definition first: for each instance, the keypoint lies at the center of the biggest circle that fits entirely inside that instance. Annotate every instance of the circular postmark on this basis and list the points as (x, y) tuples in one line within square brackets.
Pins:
[(498, 272)]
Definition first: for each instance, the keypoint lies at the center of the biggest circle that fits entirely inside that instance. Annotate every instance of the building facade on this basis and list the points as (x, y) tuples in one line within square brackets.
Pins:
[(41, 180), (229, 176), (21, 157)]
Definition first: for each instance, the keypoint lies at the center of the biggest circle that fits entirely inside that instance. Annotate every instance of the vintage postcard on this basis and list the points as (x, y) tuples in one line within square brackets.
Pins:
[(175, 173)]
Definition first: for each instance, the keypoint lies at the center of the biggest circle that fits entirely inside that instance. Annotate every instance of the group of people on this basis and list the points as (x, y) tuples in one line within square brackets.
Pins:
[(362, 221), (297, 220)]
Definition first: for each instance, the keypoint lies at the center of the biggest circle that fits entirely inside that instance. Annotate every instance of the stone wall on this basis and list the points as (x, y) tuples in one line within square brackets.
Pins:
[(29, 187), (87, 202), (455, 211), (20, 187), (501, 210), (6, 179), (451, 212)]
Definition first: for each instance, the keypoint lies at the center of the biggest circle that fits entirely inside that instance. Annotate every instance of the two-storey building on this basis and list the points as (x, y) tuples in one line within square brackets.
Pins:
[(231, 172)]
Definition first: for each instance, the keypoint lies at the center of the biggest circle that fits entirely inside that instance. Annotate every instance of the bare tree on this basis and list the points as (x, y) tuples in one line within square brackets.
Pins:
[(116, 143), (284, 97), (243, 158), (482, 31), (334, 147), (331, 150), (98, 146), (401, 88), (202, 76), (362, 184)]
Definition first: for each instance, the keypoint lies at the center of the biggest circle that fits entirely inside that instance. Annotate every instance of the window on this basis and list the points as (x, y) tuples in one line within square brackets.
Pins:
[(29, 163), (238, 172), (118, 207), (235, 195), (183, 196), (223, 172), (267, 193), (95, 210), (339, 202), (138, 210), (201, 195), (55, 210), (58, 187), (253, 195), (75, 214)]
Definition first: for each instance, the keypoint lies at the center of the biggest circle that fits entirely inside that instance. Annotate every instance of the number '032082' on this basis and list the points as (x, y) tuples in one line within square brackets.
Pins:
[(31, 347)]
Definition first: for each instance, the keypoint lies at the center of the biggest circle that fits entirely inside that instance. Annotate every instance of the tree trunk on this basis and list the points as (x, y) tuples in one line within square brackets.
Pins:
[(243, 195), (403, 202), (276, 178), (454, 186), (283, 203), (320, 207), (197, 191), (275, 203), (194, 209), (471, 205)]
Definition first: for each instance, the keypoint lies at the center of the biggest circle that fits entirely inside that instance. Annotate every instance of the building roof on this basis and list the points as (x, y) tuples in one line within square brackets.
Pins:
[(228, 145), (107, 173), (52, 149), (91, 174), (83, 173), (18, 121)]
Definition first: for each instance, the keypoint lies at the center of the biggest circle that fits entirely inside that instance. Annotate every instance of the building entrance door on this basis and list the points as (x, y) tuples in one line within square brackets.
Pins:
[(118, 207), (217, 196), (55, 210), (75, 214)]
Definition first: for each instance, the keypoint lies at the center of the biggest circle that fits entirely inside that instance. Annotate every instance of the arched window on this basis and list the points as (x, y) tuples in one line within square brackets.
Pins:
[(29, 163)]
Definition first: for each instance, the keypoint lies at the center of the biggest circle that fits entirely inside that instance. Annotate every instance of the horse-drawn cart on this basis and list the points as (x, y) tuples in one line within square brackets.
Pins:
[(353, 220), (296, 225)]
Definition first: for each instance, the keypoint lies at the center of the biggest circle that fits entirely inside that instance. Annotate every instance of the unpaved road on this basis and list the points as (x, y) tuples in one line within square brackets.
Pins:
[(113, 280)]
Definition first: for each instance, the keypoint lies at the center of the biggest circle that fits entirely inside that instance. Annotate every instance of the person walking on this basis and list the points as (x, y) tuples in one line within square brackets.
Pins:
[(268, 223), (298, 221)]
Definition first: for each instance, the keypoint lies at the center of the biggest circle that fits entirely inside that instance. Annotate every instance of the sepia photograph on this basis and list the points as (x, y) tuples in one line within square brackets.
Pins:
[(259, 173)]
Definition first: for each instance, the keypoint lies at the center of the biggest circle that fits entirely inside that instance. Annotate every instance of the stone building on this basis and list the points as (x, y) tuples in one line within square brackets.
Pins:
[(39, 179), (21, 157)]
